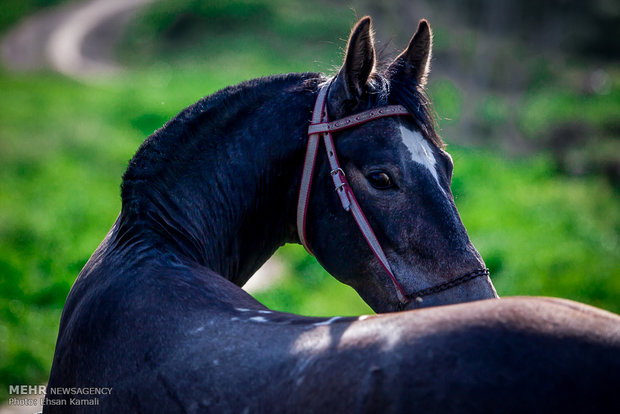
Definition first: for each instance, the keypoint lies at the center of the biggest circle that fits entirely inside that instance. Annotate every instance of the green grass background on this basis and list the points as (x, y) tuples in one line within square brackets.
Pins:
[(64, 145)]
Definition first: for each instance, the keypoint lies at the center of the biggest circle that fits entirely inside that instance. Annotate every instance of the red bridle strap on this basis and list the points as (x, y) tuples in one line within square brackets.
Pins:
[(320, 126)]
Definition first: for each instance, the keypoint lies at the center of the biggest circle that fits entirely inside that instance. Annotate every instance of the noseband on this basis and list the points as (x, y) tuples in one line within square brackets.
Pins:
[(320, 126)]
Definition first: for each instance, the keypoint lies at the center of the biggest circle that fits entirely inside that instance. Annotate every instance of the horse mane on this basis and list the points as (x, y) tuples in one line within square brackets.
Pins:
[(180, 134)]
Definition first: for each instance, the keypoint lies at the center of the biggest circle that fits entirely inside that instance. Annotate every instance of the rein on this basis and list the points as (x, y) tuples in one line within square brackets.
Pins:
[(320, 126)]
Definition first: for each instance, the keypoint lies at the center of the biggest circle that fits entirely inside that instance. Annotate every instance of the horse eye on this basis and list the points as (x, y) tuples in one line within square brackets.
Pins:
[(380, 180)]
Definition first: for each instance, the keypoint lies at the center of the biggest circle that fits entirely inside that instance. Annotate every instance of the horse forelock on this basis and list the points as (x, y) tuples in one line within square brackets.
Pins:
[(386, 89), (413, 97)]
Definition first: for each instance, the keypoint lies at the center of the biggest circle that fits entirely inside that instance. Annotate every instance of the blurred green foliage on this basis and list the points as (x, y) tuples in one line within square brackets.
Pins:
[(64, 146), (549, 107)]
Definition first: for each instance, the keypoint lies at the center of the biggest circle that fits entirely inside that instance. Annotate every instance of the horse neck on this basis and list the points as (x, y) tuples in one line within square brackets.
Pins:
[(218, 184)]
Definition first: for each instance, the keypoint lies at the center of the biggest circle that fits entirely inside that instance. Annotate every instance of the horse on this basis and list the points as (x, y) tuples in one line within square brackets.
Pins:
[(158, 318)]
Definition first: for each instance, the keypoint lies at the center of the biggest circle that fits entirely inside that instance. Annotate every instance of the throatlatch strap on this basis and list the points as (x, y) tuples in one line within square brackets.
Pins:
[(320, 125)]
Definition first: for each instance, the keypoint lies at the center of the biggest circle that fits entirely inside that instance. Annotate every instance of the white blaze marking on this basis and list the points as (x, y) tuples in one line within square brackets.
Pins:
[(420, 150)]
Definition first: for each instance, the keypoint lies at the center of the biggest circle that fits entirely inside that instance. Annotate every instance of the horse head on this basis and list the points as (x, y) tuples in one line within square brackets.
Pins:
[(400, 174)]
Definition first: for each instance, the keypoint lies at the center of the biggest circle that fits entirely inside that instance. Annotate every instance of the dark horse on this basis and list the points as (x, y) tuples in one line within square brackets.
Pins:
[(157, 314)]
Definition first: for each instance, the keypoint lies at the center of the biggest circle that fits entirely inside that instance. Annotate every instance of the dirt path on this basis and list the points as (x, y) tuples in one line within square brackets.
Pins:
[(76, 39)]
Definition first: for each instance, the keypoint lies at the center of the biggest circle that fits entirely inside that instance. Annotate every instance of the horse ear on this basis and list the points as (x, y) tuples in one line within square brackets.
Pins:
[(415, 61), (359, 62)]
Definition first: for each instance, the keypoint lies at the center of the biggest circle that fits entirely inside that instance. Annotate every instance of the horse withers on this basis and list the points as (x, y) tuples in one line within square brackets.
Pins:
[(351, 167)]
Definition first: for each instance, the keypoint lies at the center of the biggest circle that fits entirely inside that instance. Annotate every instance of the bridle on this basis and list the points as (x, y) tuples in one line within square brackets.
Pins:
[(320, 126)]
